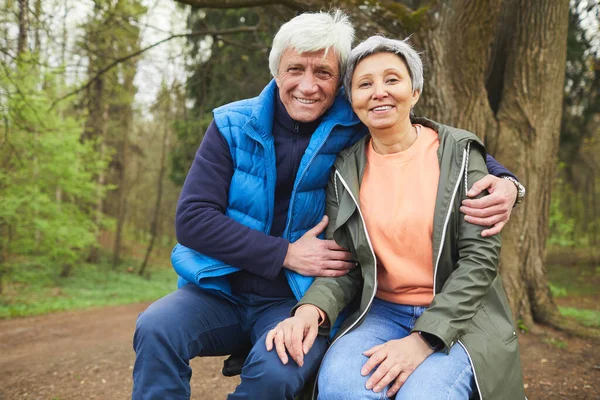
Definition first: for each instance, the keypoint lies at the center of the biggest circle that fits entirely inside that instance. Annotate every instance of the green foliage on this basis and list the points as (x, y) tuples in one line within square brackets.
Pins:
[(522, 327), (561, 226), (589, 318), (46, 178), (227, 68), (34, 287), (557, 291), (561, 344)]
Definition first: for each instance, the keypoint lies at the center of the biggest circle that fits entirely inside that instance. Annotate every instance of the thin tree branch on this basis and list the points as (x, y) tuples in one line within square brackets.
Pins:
[(299, 5), (242, 29)]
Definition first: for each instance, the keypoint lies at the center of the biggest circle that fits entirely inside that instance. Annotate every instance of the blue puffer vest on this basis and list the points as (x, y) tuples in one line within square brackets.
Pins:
[(247, 127)]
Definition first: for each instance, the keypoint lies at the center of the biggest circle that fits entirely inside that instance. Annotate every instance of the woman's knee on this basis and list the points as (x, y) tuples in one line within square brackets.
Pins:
[(340, 378)]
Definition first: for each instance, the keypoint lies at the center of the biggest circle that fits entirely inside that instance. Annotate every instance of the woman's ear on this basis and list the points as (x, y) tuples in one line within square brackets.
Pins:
[(415, 97)]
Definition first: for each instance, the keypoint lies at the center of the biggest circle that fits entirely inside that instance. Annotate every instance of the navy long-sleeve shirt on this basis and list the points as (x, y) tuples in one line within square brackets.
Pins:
[(201, 223)]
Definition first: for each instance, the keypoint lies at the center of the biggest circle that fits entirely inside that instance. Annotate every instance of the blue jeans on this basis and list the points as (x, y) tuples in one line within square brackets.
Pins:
[(192, 322), (440, 376)]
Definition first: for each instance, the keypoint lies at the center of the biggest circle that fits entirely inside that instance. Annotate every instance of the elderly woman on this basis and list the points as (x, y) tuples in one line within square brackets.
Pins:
[(427, 314)]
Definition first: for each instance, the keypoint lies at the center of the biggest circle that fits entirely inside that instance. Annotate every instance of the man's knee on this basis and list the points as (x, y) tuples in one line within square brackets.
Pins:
[(155, 329), (267, 377)]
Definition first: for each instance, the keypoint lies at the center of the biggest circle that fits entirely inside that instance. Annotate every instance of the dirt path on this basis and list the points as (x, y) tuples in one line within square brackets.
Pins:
[(88, 355)]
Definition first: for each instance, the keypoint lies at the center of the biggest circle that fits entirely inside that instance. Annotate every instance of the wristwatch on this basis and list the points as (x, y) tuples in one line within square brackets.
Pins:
[(520, 189), (433, 341)]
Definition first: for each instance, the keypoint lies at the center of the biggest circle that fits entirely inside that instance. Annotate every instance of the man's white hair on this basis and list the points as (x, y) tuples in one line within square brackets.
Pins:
[(311, 32)]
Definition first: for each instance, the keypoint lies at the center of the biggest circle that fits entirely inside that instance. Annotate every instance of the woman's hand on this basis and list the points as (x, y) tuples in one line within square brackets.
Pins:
[(297, 334), (394, 360)]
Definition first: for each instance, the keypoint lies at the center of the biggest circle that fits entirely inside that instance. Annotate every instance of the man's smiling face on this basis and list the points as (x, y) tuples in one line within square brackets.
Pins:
[(308, 83)]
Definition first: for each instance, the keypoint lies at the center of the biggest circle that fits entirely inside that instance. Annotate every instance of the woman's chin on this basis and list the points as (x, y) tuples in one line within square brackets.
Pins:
[(379, 125)]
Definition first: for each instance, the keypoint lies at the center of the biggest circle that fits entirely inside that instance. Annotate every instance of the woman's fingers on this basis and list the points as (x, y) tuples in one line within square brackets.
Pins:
[(294, 344), (270, 338), (397, 384), (376, 381), (280, 346), (374, 360), (388, 378)]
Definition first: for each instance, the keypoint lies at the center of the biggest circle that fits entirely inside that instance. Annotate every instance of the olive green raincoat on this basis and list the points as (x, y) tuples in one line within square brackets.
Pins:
[(470, 306)]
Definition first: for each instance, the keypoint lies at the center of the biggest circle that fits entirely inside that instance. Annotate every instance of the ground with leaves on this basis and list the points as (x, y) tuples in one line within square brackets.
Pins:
[(88, 355)]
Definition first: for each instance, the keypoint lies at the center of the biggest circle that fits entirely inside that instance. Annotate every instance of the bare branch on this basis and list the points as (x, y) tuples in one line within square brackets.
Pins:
[(242, 29), (299, 5)]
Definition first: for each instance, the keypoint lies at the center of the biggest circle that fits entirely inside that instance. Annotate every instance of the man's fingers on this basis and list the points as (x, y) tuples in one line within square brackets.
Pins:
[(340, 265), (332, 245), (318, 228), (332, 273), (483, 202), (280, 346), (497, 209), (480, 185), (489, 221), (494, 230)]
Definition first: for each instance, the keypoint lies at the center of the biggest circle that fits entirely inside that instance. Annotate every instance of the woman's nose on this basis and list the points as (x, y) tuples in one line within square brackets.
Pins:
[(379, 91)]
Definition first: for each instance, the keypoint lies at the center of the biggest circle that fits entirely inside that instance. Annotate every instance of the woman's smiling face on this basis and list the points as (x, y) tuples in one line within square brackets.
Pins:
[(382, 94)]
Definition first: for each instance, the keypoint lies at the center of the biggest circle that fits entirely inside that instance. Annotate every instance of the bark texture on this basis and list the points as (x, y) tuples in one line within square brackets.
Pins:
[(497, 69)]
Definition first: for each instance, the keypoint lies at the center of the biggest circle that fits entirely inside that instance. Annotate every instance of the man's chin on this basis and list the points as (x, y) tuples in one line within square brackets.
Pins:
[(306, 116)]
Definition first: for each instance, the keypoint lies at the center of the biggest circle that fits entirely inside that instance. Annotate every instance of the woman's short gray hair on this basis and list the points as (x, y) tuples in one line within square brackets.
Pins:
[(311, 32), (381, 44)]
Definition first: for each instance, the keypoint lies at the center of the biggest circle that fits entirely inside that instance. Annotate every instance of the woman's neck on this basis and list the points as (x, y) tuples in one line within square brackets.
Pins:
[(394, 140)]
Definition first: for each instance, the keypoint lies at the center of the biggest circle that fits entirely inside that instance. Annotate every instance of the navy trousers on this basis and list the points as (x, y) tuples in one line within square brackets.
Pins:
[(192, 322)]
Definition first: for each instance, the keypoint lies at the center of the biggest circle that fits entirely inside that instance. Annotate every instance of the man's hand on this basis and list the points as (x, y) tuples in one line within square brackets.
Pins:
[(297, 334), (394, 361), (311, 256), (492, 210)]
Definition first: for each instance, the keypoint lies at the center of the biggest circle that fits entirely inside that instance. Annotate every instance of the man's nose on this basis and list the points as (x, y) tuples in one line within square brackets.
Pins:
[(308, 83)]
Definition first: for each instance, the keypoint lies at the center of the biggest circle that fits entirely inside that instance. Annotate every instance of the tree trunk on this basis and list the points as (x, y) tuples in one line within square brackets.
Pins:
[(497, 69), (529, 127), (159, 192), (23, 26)]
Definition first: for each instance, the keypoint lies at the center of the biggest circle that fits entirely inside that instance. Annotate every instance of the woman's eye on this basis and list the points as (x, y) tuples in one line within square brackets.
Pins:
[(364, 84), (393, 80)]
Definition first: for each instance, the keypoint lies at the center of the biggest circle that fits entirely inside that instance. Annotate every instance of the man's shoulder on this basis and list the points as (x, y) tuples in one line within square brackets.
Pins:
[(243, 107)]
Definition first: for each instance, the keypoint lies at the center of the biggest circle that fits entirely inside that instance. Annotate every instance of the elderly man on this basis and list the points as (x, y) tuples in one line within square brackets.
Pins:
[(249, 219)]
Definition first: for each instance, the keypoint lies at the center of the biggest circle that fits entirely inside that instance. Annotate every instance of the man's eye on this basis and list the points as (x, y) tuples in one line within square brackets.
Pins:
[(293, 69), (324, 74)]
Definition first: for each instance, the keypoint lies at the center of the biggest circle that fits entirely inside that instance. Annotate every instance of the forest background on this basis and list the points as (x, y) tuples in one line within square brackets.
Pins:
[(103, 104)]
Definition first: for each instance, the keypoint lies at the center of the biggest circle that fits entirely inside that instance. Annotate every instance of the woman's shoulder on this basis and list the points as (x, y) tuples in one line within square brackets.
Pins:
[(449, 133), (357, 149)]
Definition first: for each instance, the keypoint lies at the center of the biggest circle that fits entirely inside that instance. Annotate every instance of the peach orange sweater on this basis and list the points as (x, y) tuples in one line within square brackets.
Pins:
[(397, 198)]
